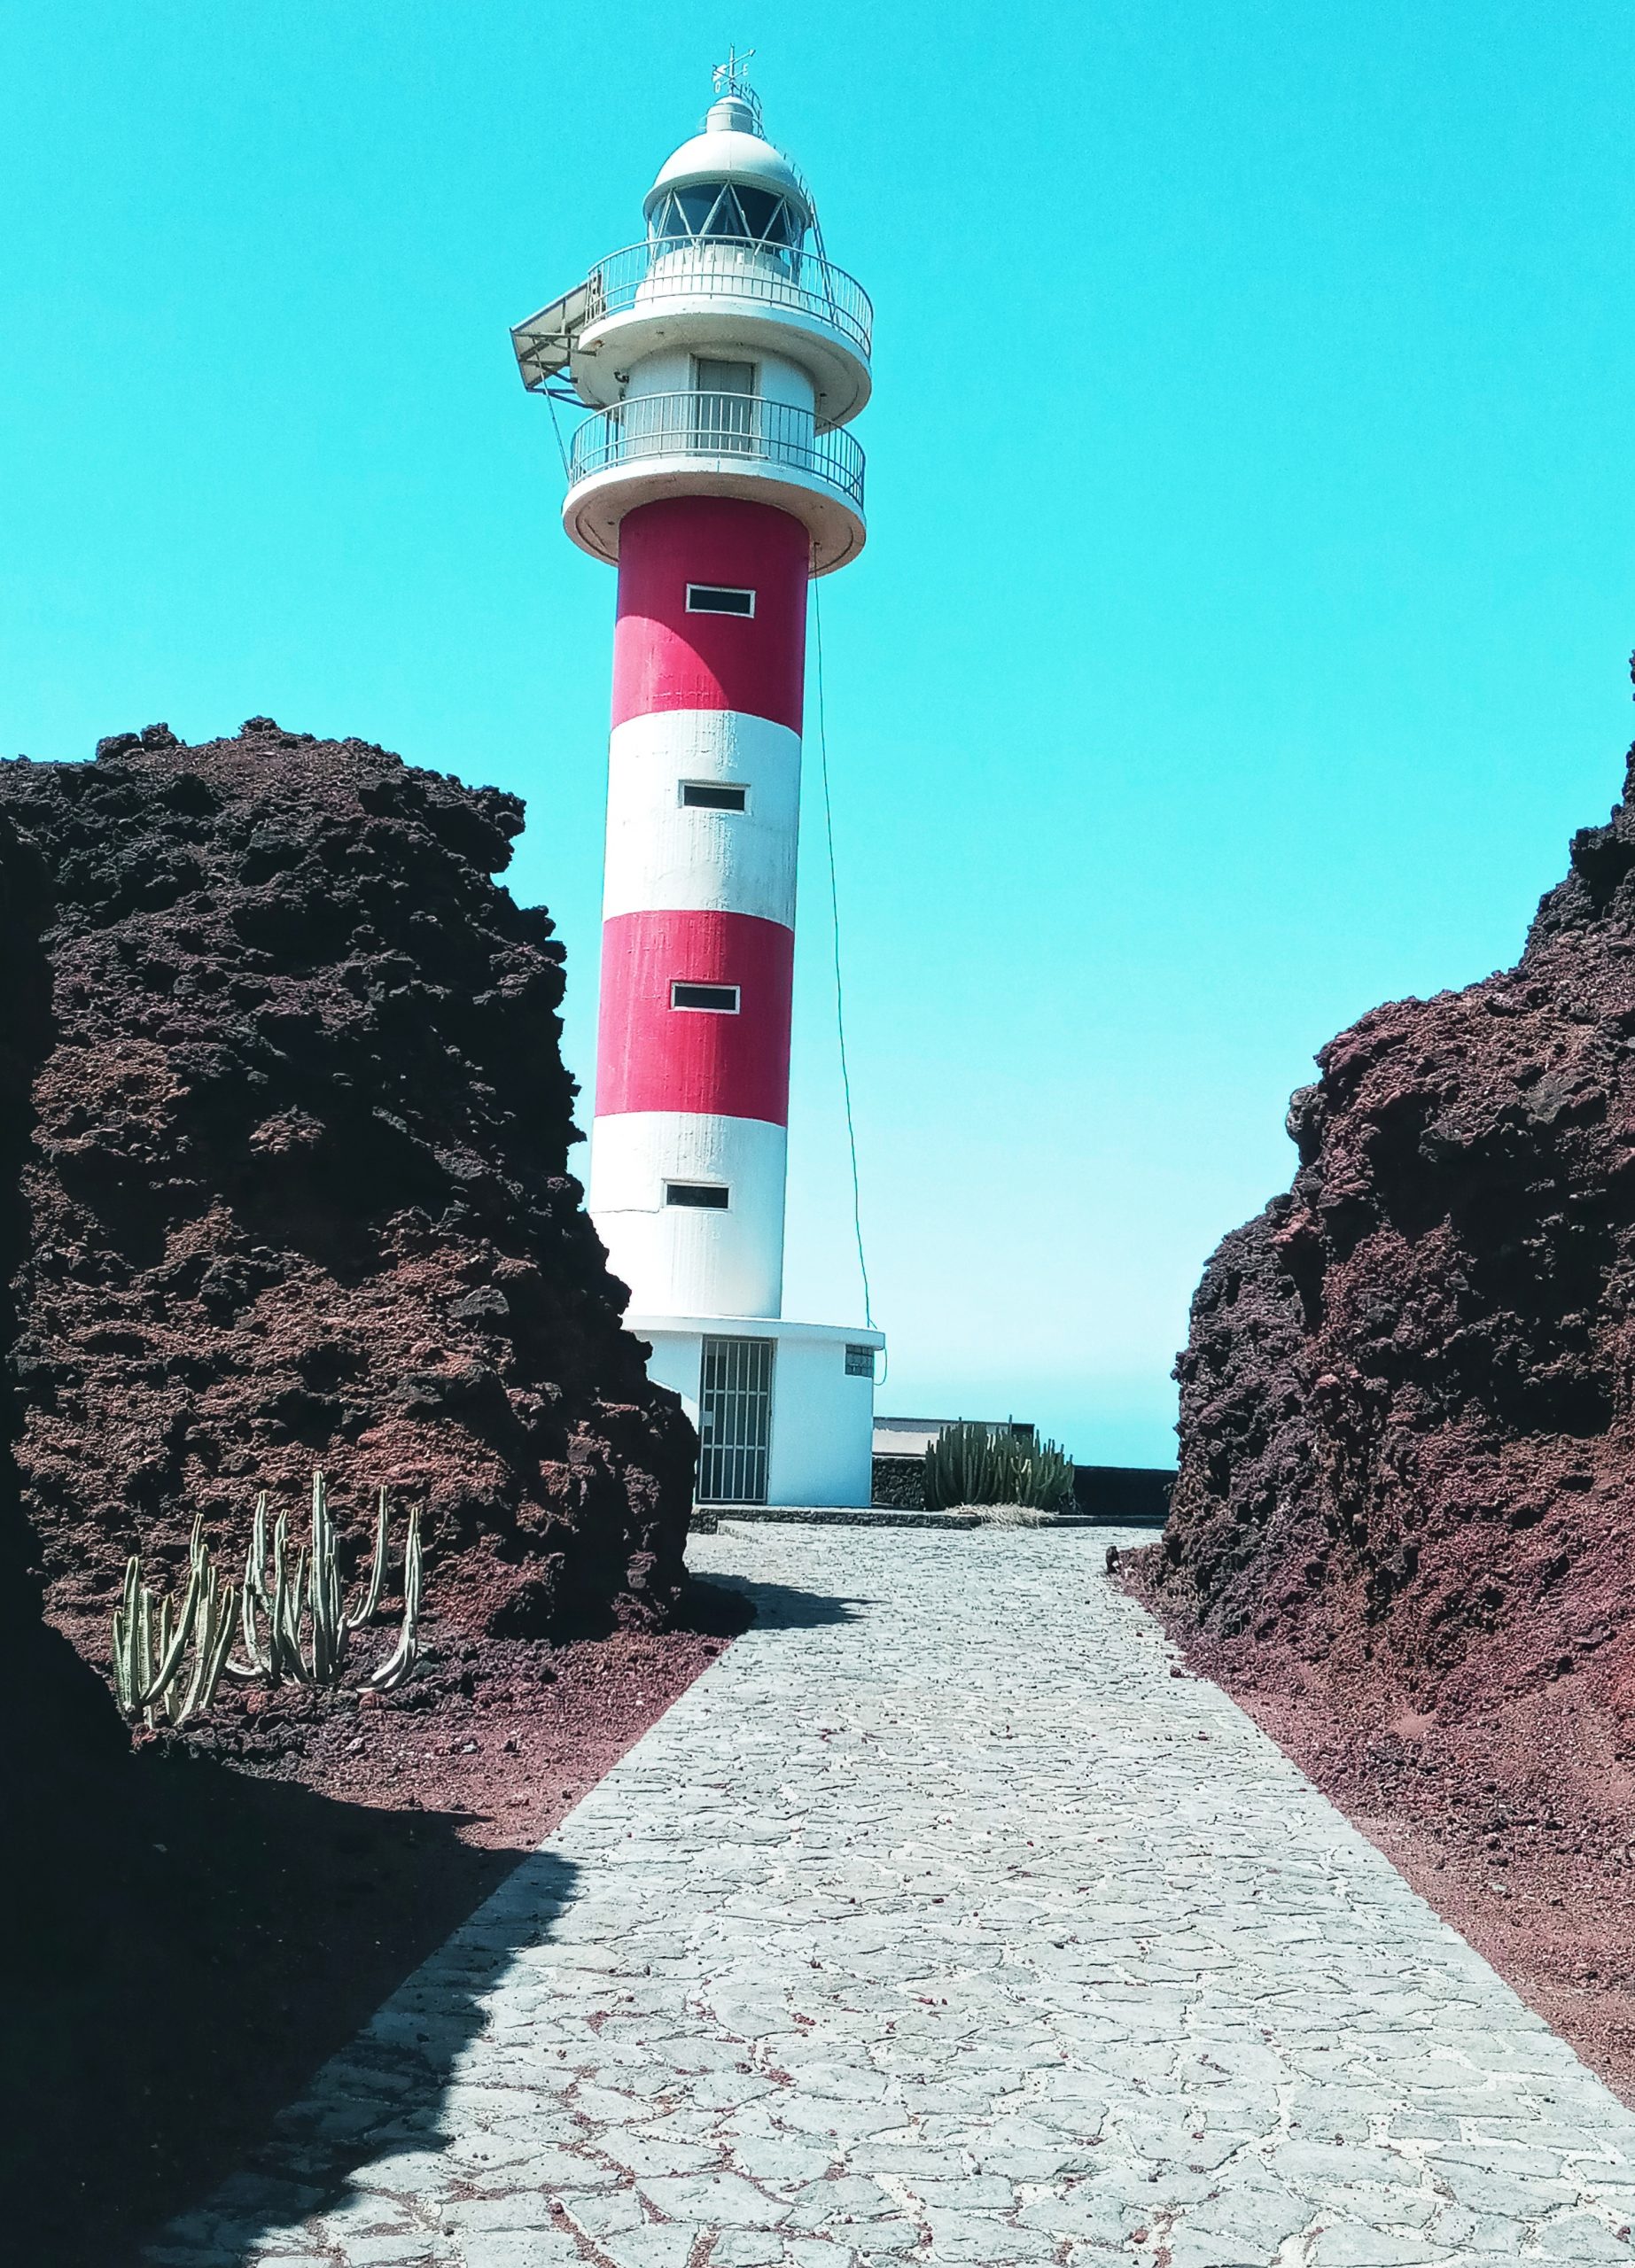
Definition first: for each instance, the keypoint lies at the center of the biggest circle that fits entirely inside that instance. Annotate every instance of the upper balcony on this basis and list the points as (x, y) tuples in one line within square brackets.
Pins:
[(715, 445), (711, 293)]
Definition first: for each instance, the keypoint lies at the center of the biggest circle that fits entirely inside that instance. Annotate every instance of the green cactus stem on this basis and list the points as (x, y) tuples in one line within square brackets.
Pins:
[(396, 1668), (364, 1611)]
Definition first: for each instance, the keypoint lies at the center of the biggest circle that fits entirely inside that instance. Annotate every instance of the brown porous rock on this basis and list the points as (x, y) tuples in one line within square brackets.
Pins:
[(299, 1194), (1408, 1397)]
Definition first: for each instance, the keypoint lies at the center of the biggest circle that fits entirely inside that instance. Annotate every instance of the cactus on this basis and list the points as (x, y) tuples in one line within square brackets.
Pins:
[(401, 1660), (1048, 1474), (364, 1613), (149, 1650), (312, 1593), (994, 1464), (150, 1636)]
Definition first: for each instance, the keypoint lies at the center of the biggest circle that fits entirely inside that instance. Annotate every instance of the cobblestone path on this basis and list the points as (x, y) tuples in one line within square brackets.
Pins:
[(938, 1924)]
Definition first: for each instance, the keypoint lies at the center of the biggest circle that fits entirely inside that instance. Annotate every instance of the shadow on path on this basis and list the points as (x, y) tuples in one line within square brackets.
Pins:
[(185, 1947), (780, 1606)]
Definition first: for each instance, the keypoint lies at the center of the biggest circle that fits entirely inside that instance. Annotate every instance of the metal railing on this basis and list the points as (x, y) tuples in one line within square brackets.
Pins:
[(729, 268), (723, 426)]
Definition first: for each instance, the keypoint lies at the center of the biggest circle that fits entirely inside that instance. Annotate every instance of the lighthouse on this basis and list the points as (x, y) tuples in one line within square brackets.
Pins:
[(722, 359)]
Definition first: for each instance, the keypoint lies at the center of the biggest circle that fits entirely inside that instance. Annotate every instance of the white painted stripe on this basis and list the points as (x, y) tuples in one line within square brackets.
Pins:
[(684, 1260), (664, 856)]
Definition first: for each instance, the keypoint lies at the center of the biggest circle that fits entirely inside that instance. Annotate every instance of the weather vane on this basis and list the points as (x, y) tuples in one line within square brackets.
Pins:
[(732, 77)]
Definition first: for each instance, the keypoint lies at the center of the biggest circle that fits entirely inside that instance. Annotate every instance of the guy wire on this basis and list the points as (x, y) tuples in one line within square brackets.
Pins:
[(833, 903)]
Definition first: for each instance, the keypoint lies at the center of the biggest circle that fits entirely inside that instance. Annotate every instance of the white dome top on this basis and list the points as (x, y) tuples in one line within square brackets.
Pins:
[(731, 149)]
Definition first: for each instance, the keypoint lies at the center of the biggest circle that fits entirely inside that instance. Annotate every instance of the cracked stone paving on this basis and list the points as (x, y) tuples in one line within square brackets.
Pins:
[(938, 1922)]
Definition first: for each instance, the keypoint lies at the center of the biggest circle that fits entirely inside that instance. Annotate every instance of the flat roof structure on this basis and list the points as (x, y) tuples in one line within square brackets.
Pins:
[(913, 1436)]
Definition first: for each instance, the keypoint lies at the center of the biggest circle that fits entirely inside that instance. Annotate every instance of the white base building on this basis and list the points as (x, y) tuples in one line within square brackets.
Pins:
[(785, 1411)]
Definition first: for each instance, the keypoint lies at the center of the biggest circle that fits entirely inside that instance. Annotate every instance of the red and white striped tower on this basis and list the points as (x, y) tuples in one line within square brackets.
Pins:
[(723, 357), (687, 1178)]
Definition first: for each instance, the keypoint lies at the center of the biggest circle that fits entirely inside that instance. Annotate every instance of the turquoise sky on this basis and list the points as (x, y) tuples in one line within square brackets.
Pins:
[(1243, 628)]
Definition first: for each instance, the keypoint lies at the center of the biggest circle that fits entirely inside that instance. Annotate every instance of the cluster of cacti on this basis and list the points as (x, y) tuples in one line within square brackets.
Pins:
[(995, 1465), (151, 1640), (278, 1602), (309, 1591)]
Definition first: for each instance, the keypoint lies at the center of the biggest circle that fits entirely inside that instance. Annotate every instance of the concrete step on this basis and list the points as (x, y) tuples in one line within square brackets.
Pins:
[(706, 1518)]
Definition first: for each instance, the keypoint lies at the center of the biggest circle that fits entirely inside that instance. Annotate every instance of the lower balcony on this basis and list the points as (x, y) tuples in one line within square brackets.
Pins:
[(715, 445)]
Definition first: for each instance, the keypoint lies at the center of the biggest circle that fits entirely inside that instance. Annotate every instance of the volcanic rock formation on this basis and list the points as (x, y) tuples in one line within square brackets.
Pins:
[(300, 1190), (1408, 1398)]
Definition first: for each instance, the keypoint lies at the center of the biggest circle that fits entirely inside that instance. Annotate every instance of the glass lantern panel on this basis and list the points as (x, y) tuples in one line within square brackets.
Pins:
[(696, 204), (768, 216)]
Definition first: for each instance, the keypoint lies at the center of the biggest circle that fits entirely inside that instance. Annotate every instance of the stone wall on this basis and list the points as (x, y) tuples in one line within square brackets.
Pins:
[(899, 1483)]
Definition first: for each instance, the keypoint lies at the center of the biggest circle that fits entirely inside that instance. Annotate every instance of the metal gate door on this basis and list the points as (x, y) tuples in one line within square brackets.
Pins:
[(724, 414), (735, 1421)]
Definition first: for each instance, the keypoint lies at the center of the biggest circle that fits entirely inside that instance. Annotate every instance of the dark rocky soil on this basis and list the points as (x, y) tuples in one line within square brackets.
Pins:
[(1404, 1525), (299, 1194)]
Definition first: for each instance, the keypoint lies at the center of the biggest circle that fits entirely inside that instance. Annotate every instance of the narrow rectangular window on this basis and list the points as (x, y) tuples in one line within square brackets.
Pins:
[(717, 999), (711, 796), (709, 1196), (720, 598), (859, 1362)]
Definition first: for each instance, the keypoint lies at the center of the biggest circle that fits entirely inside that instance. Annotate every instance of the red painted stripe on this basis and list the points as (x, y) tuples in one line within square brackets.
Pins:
[(650, 1056), (665, 658)]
